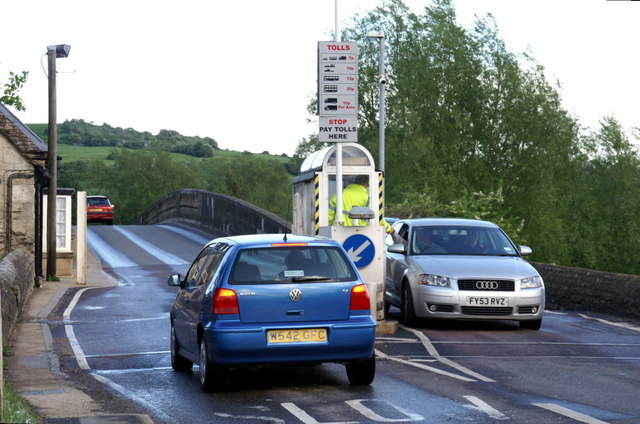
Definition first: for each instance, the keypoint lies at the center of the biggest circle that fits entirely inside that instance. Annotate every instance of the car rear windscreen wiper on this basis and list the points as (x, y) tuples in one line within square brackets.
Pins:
[(311, 278)]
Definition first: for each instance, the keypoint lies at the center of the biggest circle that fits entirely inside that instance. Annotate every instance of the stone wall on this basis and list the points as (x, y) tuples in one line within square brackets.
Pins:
[(578, 289), (17, 193), (16, 283)]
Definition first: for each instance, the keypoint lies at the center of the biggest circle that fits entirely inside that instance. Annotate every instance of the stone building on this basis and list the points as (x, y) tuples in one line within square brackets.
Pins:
[(22, 175)]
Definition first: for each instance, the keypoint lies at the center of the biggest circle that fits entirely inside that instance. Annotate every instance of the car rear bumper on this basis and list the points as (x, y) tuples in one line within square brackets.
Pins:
[(97, 216), (231, 343)]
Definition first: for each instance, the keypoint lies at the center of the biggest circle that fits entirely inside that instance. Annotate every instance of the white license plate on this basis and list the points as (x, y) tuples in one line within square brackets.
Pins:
[(487, 301), (297, 335)]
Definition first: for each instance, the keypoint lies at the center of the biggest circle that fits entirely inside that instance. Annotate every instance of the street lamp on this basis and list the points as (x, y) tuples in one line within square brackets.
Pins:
[(53, 52), (376, 35)]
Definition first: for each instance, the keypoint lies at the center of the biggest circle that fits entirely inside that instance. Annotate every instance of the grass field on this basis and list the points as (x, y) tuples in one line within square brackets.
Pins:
[(70, 153)]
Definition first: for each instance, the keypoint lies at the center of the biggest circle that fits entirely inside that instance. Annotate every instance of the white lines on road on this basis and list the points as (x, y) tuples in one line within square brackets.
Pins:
[(130, 370), (116, 355), (357, 404), (483, 406), (187, 234), (131, 395), (561, 410), (108, 254), (246, 418), (615, 324), (383, 355), (71, 336), (446, 361), (162, 255), (306, 418)]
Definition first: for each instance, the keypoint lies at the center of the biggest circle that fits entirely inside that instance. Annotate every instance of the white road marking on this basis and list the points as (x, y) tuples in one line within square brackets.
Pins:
[(131, 370), (162, 255), (615, 324), (187, 234), (367, 412), (108, 254), (115, 355), (434, 353), (482, 406), (71, 336), (383, 355), (306, 418), (251, 417), (569, 413), (131, 395)]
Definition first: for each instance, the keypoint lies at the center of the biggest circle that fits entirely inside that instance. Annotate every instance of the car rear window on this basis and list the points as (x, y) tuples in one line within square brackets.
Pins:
[(97, 201), (291, 264)]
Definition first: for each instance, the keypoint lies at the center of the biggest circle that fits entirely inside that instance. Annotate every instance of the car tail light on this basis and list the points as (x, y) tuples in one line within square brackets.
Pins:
[(225, 301), (360, 298)]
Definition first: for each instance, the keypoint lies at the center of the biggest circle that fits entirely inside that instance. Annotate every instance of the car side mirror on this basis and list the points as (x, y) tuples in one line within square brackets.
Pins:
[(525, 250), (174, 281), (397, 248)]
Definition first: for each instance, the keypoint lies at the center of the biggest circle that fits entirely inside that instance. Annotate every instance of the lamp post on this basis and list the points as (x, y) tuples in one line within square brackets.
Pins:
[(53, 52), (382, 82)]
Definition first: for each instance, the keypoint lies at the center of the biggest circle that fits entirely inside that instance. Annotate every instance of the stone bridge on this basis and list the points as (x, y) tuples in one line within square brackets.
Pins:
[(214, 211)]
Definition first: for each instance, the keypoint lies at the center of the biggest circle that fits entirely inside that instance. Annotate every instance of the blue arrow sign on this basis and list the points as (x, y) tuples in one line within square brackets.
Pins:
[(360, 249)]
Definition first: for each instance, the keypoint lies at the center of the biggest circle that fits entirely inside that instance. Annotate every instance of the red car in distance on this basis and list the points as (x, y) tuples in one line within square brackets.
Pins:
[(99, 209)]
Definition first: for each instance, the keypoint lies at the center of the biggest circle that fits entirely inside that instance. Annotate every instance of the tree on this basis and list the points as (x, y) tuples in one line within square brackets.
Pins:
[(10, 95), (613, 175), (468, 116)]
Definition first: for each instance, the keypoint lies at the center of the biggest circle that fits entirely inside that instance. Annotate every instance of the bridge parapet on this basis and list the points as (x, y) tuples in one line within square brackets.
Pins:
[(218, 212)]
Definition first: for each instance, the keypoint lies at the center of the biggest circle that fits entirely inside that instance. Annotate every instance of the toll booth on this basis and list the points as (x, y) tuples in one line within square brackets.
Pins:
[(313, 189)]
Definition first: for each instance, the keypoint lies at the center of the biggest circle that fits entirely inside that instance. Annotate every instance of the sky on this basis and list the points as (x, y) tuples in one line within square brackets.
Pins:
[(243, 72)]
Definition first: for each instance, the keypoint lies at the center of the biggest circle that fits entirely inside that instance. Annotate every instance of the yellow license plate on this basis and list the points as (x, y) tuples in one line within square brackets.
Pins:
[(297, 335), (95, 210)]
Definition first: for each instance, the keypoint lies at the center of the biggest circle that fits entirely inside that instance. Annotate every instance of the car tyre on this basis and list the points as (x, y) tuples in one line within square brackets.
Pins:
[(212, 375), (407, 313), (531, 325), (361, 373), (178, 363), (387, 307)]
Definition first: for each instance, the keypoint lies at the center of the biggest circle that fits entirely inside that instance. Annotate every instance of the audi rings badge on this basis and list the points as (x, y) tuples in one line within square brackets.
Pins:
[(295, 295), (487, 285)]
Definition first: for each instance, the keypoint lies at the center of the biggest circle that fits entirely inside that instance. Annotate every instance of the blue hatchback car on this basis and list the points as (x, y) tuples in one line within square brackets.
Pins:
[(267, 299)]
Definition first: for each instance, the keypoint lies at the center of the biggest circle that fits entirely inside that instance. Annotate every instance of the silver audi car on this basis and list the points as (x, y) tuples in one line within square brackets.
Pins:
[(451, 268)]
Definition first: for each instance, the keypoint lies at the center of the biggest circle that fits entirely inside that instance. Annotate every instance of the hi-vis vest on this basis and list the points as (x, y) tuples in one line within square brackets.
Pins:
[(352, 195)]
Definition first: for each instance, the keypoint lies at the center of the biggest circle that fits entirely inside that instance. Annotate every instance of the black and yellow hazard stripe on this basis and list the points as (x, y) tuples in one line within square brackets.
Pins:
[(317, 189), (380, 199)]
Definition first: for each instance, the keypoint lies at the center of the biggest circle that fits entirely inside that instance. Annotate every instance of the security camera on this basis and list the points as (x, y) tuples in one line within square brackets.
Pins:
[(383, 80)]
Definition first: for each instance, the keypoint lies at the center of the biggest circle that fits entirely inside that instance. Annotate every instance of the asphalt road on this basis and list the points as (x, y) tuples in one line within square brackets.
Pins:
[(576, 368)]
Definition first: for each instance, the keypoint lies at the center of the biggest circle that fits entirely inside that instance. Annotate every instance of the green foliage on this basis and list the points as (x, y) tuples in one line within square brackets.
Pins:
[(135, 179), (477, 205), (257, 180), (474, 130), (139, 178), (15, 409), (10, 95), (80, 133)]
